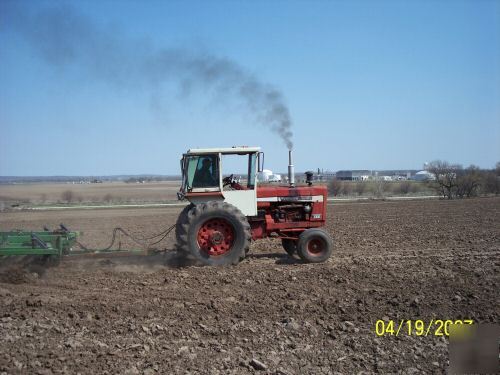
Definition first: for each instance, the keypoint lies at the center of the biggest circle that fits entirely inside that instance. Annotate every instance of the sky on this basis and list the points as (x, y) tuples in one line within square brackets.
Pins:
[(125, 87)]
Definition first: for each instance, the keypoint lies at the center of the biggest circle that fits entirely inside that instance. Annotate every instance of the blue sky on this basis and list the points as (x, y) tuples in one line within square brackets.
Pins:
[(368, 85)]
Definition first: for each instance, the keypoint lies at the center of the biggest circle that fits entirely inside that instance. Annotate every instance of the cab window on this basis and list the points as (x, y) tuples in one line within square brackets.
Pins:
[(242, 169), (202, 171), (252, 163)]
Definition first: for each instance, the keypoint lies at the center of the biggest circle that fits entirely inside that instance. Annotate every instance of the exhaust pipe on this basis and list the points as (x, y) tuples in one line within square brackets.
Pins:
[(291, 170)]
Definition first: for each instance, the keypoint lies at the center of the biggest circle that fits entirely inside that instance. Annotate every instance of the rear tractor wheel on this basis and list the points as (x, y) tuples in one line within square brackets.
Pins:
[(216, 233), (315, 245), (182, 219)]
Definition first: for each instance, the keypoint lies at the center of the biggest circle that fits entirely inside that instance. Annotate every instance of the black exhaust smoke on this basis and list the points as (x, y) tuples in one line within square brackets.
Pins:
[(62, 37)]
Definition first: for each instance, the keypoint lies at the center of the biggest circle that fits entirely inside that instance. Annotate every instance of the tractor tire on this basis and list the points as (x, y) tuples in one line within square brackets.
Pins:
[(179, 226), (216, 233), (289, 245), (314, 246)]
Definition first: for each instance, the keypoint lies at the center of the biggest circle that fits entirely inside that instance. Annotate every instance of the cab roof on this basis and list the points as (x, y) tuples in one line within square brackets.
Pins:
[(224, 150)]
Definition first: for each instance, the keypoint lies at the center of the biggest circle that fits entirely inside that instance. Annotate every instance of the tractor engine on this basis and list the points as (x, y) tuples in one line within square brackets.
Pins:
[(287, 211), (290, 212)]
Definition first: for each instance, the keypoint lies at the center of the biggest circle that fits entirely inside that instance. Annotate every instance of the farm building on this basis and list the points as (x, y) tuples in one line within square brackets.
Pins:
[(395, 174), (354, 175), (424, 176), (268, 176), (323, 175)]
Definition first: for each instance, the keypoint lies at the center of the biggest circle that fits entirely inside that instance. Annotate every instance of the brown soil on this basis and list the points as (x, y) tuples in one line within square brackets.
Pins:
[(393, 260)]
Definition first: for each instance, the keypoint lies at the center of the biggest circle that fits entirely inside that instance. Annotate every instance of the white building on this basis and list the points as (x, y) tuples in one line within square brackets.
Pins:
[(424, 176), (264, 175), (268, 176), (275, 178)]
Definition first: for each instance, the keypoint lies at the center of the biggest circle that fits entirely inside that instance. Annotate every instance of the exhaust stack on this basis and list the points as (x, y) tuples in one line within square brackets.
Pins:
[(291, 170)]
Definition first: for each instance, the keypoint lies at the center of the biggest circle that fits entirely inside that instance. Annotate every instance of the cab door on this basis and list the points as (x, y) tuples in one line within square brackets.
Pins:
[(246, 199)]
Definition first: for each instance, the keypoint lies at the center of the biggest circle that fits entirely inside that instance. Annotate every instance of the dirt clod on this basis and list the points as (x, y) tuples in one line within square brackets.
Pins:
[(258, 365)]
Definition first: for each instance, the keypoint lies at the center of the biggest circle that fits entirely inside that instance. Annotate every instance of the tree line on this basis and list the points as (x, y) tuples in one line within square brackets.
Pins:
[(455, 181), (449, 181)]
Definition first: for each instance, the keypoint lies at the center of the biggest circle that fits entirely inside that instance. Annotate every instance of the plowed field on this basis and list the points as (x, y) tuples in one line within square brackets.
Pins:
[(271, 313)]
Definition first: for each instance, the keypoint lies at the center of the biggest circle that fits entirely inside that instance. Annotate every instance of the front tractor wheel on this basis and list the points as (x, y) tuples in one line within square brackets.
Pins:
[(216, 233), (315, 245)]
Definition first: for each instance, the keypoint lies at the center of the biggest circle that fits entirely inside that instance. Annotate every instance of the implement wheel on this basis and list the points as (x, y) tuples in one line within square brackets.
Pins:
[(315, 245), (289, 245), (216, 233)]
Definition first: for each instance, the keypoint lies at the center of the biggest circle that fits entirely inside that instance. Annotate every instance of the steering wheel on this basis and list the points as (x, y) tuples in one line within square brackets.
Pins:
[(227, 180)]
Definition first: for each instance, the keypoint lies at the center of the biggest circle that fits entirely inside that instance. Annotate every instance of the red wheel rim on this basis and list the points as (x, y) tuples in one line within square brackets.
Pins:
[(216, 237), (316, 246)]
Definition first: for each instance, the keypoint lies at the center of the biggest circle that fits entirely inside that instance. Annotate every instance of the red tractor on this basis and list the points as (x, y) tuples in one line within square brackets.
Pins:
[(226, 213)]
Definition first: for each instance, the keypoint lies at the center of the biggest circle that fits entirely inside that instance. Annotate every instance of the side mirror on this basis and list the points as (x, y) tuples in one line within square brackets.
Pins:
[(260, 161)]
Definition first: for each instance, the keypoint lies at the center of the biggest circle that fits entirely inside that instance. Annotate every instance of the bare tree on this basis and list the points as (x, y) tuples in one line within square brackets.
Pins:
[(108, 198), (446, 177), (491, 181), (346, 188), (335, 187), (381, 187), (468, 182), (403, 187), (360, 187), (67, 196)]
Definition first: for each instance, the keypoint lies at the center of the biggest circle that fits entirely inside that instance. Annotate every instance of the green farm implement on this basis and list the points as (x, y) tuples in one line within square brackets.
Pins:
[(49, 243), (57, 242), (54, 244)]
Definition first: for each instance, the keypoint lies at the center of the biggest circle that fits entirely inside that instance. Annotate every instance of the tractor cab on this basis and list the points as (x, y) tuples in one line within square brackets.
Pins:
[(222, 174)]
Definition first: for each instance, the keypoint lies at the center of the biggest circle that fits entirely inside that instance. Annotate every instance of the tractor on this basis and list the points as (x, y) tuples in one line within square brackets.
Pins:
[(226, 211)]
